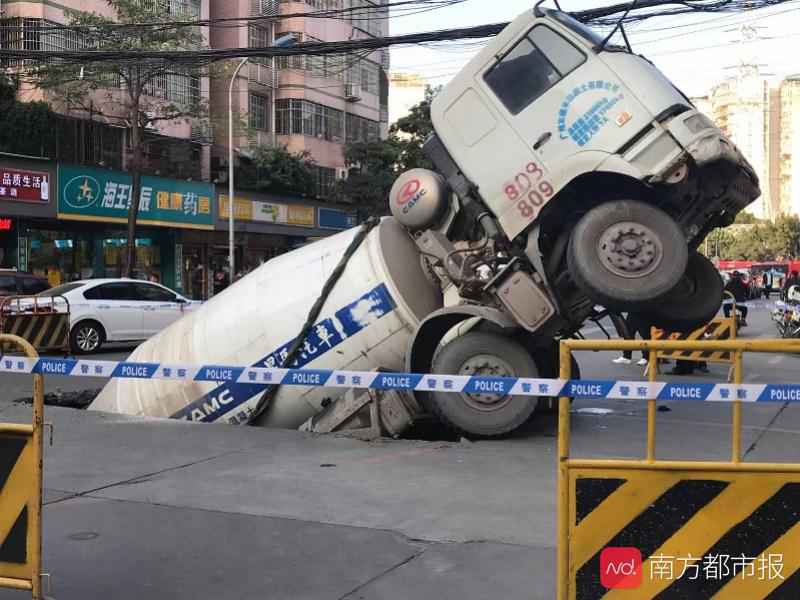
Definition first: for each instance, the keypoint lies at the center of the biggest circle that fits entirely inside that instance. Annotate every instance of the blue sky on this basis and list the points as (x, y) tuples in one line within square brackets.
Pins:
[(695, 51)]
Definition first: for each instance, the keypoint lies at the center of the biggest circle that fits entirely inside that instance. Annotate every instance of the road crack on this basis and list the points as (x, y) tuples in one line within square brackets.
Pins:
[(764, 431)]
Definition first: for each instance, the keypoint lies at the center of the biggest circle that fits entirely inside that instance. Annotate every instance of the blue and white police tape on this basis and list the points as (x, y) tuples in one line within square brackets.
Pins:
[(522, 386)]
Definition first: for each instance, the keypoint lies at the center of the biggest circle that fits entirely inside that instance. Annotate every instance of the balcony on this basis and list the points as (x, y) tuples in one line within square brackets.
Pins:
[(261, 74), (264, 8)]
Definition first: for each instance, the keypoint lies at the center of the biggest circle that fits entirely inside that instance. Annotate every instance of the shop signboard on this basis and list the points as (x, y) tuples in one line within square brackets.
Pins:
[(331, 218), (24, 185), (87, 194), (267, 212)]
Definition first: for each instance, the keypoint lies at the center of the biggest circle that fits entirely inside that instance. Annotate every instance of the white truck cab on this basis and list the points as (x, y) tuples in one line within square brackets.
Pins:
[(569, 173)]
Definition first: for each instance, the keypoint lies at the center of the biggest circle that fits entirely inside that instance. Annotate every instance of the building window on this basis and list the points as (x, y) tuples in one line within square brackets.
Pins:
[(258, 112), (360, 129), (258, 37), (324, 180), (364, 75), (301, 117)]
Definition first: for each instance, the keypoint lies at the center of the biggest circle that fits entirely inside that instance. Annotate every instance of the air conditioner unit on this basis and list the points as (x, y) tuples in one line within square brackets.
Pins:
[(351, 92), (149, 126)]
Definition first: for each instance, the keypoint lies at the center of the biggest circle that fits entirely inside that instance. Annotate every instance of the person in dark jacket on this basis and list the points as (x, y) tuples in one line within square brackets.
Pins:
[(738, 289), (793, 279)]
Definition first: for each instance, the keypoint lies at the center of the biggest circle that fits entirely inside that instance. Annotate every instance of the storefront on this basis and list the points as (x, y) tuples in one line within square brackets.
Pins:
[(267, 225), (92, 212), (26, 191)]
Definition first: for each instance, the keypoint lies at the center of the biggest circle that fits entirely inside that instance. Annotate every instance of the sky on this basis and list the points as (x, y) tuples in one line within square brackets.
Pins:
[(695, 51)]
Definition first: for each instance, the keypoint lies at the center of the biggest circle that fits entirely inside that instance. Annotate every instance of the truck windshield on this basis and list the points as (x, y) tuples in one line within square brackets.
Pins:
[(535, 64), (576, 26)]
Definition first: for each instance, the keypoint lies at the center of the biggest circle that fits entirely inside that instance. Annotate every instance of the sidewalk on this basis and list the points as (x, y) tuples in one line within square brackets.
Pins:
[(163, 509)]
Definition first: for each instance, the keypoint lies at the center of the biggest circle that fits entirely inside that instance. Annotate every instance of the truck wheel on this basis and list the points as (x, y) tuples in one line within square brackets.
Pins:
[(693, 302), (625, 254), (482, 414)]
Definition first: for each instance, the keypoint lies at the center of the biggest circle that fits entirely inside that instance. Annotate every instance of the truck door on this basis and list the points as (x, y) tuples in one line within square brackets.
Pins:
[(562, 101)]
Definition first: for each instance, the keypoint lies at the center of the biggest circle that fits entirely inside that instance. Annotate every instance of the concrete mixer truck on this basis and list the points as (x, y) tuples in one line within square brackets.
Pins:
[(568, 173)]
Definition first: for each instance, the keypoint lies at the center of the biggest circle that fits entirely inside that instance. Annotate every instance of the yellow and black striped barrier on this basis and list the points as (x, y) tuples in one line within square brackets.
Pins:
[(644, 528), (44, 325), (21, 492), (723, 328)]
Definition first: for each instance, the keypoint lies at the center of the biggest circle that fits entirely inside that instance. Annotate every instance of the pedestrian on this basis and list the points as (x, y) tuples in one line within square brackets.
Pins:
[(793, 279), (628, 328), (738, 290)]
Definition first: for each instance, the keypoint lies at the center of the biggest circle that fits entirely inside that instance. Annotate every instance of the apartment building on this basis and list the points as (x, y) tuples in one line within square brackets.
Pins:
[(98, 134), (741, 108), (789, 169), (405, 91), (311, 104)]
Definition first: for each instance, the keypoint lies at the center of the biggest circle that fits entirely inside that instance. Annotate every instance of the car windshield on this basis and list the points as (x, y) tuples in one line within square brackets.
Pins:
[(60, 290)]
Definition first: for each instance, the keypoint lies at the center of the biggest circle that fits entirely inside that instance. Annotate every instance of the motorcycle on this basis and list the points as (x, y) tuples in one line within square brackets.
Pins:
[(787, 319)]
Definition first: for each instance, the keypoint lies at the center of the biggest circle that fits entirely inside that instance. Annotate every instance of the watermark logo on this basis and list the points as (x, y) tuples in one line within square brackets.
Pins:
[(621, 568)]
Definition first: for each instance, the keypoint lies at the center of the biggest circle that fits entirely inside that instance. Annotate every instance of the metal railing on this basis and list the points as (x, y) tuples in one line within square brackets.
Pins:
[(567, 465)]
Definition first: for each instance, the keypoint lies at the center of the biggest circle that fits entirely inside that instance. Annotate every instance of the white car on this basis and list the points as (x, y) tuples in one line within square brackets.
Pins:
[(118, 310)]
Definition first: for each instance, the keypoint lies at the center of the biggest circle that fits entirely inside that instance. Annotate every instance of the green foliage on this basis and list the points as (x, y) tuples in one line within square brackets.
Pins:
[(373, 169), (374, 166), (746, 218), (280, 171), (25, 127), (144, 95), (759, 240)]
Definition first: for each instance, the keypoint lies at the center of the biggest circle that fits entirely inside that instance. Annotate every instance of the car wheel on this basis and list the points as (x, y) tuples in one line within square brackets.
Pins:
[(86, 337), (694, 302), (626, 254), (482, 413)]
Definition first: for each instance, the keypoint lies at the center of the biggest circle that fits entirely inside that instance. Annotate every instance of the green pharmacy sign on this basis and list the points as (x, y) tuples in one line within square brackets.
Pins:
[(87, 194)]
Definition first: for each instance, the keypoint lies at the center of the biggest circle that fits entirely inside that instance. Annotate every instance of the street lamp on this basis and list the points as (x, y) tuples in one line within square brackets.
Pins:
[(282, 42)]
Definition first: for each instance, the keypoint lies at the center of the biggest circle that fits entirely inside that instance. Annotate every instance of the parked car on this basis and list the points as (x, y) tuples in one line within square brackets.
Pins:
[(17, 283), (118, 310)]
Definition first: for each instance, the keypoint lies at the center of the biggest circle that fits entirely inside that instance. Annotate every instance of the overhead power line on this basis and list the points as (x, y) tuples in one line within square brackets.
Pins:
[(608, 15)]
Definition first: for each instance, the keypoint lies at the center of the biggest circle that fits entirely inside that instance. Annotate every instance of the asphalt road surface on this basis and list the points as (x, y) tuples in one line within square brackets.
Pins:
[(168, 510), (758, 368)]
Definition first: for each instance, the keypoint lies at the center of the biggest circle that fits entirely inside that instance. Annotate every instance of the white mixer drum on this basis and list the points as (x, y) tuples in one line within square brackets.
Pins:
[(365, 323)]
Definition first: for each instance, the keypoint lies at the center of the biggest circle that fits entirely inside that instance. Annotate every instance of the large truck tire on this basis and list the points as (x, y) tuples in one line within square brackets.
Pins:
[(625, 254), (693, 302), (482, 414)]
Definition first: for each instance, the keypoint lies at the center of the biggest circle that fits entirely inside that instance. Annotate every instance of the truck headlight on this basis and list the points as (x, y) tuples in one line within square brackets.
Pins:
[(697, 123)]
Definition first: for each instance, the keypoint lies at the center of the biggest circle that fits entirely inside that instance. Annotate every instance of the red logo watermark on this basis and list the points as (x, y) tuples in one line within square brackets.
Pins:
[(621, 568), (408, 191)]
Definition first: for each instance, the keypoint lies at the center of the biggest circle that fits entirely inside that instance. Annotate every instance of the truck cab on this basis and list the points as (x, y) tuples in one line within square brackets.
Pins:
[(570, 176)]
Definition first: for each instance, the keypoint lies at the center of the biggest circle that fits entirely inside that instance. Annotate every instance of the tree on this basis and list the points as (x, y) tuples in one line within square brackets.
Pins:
[(372, 171), (412, 130), (374, 166), (25, 127), (278, 170), (786, 232), (139, 93)]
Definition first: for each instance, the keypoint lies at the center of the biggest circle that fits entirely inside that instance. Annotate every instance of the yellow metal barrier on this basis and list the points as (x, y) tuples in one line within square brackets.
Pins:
[(619, 520), (721, 328), (21, 491)]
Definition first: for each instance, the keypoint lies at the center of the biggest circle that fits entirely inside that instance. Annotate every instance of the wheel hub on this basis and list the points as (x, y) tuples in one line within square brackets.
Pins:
[(630, 250), (87, 339), (486, 365)]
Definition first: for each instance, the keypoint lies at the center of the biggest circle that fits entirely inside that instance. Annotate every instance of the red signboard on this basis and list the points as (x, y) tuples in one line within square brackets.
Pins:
[(27, 186), (5, 224)]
